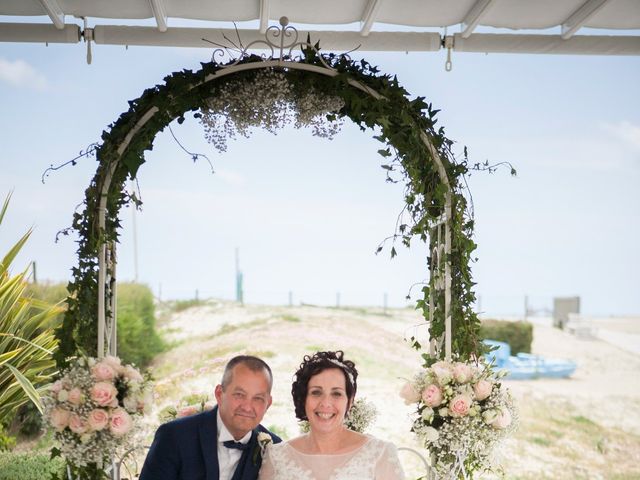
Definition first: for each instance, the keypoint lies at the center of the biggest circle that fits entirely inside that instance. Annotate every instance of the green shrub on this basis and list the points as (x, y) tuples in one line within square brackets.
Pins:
[(138, 341), (518, 335), (53, 293), (48, 292), (29, 466), (7, 442)]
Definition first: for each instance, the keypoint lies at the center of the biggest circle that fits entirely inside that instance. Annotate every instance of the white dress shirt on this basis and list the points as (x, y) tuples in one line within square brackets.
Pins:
[(228, 458)]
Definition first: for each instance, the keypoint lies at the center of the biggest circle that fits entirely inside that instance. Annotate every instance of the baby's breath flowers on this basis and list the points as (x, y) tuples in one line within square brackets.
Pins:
[(359, 418), (462, 413), (361, 415), (188, 405), (93, 409), (267, 101)]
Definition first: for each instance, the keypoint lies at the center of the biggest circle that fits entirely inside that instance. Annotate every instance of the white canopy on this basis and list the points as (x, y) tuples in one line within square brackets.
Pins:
[(549, 26)]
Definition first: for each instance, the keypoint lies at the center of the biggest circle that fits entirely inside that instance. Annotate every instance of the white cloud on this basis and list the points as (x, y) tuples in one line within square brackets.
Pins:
[(20, 74), (627, 132)]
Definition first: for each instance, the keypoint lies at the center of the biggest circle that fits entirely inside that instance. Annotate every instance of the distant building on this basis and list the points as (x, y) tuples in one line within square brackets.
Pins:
[(562, 307)]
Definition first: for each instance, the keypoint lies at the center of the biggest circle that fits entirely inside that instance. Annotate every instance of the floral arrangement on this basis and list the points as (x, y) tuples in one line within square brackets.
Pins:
[(359, 418), (189, 405), (93, 409), (267, 101), (462, 413)]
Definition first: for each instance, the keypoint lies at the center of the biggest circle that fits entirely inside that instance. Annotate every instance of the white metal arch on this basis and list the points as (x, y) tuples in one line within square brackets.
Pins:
[(107, 314)]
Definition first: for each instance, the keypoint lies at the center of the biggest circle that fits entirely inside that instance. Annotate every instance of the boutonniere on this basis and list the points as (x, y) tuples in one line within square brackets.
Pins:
[(264, 440)]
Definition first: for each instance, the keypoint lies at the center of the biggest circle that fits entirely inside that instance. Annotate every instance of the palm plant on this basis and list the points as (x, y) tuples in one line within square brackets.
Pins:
[(27, 340)]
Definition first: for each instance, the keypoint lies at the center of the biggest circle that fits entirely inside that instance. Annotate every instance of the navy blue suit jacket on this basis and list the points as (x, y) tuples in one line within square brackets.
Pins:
[(187, 449)]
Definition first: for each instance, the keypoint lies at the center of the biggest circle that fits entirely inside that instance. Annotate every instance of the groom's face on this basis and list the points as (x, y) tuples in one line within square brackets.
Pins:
[(243, 402)]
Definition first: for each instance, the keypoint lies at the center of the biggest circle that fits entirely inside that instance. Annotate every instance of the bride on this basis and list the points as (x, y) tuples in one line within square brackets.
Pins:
[(323, 391)]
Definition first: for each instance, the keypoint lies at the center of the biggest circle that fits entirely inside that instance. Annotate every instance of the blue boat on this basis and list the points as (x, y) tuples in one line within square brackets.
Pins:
[(525, 366)]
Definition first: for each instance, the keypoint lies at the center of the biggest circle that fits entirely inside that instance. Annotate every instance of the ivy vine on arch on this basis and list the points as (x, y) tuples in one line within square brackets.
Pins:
[(436, 205)]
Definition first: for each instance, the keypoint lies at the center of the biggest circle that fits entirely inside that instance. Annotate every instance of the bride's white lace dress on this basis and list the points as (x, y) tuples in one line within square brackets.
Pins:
[(374, 460)]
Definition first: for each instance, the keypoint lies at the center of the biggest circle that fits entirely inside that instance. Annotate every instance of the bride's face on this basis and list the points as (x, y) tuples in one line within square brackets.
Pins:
[(327, 401)]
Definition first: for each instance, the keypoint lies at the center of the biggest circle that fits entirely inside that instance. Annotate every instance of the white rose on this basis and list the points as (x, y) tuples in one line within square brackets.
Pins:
[(443, 372), (264, 440), (489, 416), (63, 395), (427, 414)]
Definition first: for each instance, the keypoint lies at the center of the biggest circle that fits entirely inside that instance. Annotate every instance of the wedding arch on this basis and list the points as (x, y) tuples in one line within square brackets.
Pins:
[(436, 207)]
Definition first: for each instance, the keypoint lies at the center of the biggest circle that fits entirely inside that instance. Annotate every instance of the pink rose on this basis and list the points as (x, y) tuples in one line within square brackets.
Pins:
[(482, 389), (77, 424), (59, 418), (104, 394), (459, 405), (462, 372), (187, 411), (432, 396), (113, 362), (98, 419), (503, 419), (102, 371), (75, 396), (120, 422), (409, 394), (56, 386)]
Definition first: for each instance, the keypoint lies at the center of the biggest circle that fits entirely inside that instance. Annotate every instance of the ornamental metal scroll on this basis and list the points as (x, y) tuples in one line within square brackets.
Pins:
[(283, 40), (107, 315)]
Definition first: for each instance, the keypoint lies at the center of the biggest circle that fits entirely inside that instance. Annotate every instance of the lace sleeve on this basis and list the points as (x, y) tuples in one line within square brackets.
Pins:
[(388, 466), (267, 472)]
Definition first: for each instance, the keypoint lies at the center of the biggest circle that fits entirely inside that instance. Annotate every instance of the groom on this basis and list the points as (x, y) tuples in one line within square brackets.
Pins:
[(221, 444)]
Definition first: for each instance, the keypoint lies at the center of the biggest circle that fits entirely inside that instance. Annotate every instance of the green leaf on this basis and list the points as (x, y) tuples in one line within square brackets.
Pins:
[(28, 388), (5, 357)]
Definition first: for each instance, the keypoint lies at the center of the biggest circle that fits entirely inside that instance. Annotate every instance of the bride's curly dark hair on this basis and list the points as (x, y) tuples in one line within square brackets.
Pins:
[(313, 365)]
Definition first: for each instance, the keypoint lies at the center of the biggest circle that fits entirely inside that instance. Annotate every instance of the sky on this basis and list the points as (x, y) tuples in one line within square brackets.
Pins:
[(307, 214)]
